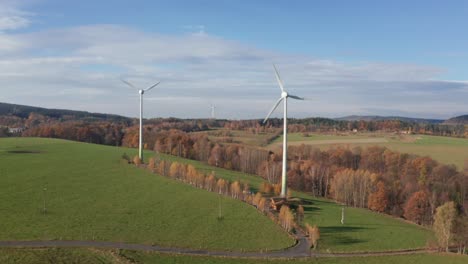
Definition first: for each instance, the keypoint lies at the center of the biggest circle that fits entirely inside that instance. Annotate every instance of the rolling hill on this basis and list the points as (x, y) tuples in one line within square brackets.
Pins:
[(458, 120), (382, 118), (23, 111)]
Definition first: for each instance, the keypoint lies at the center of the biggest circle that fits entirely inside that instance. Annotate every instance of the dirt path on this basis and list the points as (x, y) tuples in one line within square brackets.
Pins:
[(300, 250)]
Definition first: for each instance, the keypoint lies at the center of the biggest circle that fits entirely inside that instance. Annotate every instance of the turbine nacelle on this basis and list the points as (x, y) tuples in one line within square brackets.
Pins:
[(284, 94)]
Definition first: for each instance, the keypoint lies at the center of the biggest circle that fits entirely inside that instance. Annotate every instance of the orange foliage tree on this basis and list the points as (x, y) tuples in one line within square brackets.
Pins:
[(378, 200), (418, 209)]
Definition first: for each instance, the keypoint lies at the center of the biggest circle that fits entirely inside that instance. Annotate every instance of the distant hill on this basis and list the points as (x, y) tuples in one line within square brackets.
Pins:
[(23, 111), (381, 118), (459, 120)]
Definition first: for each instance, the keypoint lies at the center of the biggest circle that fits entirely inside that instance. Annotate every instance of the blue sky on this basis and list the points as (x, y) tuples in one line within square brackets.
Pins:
[(348, 57)]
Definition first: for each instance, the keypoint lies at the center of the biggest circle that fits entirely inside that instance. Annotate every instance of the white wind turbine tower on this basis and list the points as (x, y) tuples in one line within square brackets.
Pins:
[(213, 108), (284, 97), (141, 92)]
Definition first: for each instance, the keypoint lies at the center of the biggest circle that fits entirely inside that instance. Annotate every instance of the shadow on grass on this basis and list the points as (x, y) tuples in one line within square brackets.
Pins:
[(348, 240), (306, 201), (341, 229), (338, 234), (311, 209)]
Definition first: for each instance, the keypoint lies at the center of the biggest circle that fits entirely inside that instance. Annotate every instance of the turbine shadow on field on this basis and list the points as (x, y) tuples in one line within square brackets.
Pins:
[(349, 240), (311, 209), (341, 229), (24, 151), (338, 234)]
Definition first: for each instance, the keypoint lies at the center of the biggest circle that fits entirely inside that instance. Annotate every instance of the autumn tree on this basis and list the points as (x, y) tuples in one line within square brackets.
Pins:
[(262, 204), (245, 190), (199, 180), (277, 189), (461, 233), (210, 182), (266, 188), (418, 209), (444, 220), (236, 190), (300, 214), (151, 164), (352, 187), (163, 168), (314, 234), (221, 186), (137, 160), (256, 199), (286, 217), (174, 170), (378, 200)]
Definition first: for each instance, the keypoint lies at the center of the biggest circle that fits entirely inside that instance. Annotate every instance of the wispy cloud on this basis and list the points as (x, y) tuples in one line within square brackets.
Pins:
[(79, 68), (195, 29), (12, 17)]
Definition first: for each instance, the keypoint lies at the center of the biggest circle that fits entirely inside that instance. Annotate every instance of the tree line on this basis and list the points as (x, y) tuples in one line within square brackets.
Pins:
[(31, 120)]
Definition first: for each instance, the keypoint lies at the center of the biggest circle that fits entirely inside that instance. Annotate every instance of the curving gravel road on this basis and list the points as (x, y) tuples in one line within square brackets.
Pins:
[(300, 250)]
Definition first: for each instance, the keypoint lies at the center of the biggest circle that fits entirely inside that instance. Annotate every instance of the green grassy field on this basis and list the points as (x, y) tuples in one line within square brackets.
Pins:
[(443, 149), (56, 256), (238, 136), (95, 256), (91, 194), (363, 230), (420, 259)]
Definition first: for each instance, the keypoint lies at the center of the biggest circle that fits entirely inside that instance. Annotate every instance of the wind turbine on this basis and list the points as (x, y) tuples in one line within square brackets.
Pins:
[(141, 92), (284, 97), (213, 107)]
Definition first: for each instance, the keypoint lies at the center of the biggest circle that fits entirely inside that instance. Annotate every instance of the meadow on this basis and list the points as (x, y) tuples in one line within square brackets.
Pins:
[(90, 194), (446, 150)]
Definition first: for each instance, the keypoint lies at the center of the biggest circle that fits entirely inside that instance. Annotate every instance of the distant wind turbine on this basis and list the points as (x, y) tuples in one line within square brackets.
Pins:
[(284, 96), (141, 92), (213, 108)]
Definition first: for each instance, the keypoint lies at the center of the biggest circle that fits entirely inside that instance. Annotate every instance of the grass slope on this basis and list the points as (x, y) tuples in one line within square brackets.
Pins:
[(363, 230), (92, 195)]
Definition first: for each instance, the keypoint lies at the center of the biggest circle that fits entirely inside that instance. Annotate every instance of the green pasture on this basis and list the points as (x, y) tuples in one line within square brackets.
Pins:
[(90, 194)]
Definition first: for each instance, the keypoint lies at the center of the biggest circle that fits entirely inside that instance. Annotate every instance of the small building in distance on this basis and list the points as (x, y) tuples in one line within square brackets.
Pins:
[(15, 130)]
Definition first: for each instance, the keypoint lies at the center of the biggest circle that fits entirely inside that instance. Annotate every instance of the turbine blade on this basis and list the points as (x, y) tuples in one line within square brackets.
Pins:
[(278, 79), (296, 97), (273, 109), (151, 87), (127, 83)]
